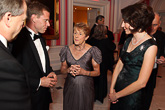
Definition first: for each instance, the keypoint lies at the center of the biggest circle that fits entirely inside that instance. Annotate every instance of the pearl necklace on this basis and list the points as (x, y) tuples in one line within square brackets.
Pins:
[(138, 40), (80, 49)]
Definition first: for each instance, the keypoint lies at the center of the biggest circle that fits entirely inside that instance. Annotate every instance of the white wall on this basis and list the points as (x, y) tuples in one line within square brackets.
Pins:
[(119, 4)]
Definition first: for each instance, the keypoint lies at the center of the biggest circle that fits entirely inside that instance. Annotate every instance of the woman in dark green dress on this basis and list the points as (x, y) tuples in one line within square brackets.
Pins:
[(136, 60)]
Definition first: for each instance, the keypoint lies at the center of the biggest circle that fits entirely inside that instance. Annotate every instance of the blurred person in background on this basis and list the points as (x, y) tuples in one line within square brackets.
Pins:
[(100, 20), (107, 47), (159, 37)]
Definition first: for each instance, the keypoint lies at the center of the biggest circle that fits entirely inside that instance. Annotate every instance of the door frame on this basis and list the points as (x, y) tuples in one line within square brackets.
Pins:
[(104, 7)]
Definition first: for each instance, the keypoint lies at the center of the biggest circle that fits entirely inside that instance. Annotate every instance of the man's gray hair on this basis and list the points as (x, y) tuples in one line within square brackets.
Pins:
[(15, 7)]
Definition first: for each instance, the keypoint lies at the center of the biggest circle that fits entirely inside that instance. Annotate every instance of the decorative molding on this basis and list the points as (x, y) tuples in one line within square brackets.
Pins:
[(102, 5)]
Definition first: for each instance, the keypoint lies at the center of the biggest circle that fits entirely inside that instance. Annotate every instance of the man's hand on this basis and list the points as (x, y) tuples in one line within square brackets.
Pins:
[(161, 60), (49, 81)]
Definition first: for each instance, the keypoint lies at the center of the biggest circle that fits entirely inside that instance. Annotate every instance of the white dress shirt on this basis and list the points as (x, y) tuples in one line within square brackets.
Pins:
[(3, 40), (40, 50)]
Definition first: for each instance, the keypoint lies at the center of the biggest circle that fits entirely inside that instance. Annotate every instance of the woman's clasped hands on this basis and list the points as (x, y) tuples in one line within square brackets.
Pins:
[(75, 70), (112, 97)]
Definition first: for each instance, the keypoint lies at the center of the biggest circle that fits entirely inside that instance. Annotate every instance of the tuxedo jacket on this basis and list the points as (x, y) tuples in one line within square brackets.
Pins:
[(26, 53), (14, 87), (160, 38)]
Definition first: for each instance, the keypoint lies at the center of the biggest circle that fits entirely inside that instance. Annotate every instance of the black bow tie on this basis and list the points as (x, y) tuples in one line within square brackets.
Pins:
[(36, 37)]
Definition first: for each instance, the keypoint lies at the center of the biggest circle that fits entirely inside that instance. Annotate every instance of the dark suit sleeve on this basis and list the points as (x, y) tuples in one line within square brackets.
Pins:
[(111, 45), (162, 51), (160, 36), (22, 53), (14, 86), (91, 33), (110, 34), (122, 38)]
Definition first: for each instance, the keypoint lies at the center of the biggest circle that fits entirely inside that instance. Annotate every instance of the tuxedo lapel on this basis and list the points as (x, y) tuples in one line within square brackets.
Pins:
[(3, 47), (34, 50)]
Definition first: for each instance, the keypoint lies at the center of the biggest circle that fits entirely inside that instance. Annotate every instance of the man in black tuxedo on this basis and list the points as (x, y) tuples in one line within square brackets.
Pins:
[(100, 20), (159, 36), (14, 86), (30, 50)]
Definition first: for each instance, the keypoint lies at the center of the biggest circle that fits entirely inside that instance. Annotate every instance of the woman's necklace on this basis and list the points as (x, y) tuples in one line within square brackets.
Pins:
[(138, 40), (80, 48)]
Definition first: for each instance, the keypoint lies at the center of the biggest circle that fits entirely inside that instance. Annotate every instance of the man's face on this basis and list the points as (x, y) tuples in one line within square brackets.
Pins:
[(18, 23), (41, 23), (155, 24), (101, 21)]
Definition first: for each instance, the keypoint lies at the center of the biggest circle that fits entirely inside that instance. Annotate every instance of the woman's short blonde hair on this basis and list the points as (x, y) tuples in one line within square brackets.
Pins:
[(84, 27)]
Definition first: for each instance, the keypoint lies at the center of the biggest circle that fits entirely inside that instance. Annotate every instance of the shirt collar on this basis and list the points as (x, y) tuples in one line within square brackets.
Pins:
[(3, 40), (32, 32)]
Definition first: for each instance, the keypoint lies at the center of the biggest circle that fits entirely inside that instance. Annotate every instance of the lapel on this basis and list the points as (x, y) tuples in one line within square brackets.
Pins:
[(4, 48), (43, 43), (34, 49)]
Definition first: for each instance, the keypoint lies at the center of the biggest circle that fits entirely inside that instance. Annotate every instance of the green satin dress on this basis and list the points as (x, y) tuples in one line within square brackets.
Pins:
[(130, 72)]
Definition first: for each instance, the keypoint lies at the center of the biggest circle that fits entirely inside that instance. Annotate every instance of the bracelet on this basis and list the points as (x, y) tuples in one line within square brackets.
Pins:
[(89, 73)]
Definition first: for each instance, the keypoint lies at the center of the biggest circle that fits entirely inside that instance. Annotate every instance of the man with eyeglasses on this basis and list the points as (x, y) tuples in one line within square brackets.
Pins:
[(30, 50), (159, 36)]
